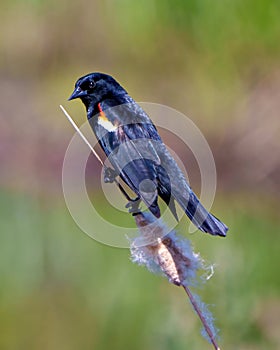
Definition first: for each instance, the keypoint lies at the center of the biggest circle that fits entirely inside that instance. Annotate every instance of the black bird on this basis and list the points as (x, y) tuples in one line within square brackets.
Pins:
[(132, 144)]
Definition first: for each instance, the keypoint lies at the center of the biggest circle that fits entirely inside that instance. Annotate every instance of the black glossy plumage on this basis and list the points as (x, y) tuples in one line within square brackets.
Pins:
[(136, 151)]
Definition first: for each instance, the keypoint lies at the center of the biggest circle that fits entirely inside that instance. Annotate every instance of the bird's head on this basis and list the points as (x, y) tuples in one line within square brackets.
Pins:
[(95, 87)]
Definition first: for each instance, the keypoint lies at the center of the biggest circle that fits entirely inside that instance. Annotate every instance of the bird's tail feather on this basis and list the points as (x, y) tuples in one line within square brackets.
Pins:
[(201, 218)]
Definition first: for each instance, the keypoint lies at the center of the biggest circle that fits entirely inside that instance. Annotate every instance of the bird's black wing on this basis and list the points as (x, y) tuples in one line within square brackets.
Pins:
[(127, 135)]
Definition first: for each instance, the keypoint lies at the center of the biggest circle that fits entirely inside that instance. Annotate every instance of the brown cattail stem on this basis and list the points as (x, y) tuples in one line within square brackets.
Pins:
[(202, 318), (166, 253)]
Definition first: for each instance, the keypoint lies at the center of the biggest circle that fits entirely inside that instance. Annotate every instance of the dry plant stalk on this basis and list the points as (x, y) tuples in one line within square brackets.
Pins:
[(165, 252)]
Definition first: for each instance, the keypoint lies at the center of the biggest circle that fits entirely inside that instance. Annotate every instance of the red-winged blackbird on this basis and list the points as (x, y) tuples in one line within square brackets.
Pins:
[(132, 144)]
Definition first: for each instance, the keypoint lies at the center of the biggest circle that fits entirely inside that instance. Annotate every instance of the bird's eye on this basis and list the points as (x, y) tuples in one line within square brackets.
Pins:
[(91, 85)]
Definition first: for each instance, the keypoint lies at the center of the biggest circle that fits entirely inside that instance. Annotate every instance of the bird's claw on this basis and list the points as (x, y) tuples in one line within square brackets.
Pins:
[(110, 175), (133, 206)]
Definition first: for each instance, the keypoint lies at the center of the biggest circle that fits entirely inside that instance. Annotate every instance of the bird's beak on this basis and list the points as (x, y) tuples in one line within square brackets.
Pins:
[(78, 92)]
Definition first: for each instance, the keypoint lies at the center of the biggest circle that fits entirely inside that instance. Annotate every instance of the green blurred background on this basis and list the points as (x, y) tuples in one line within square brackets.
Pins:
[(216, 61)]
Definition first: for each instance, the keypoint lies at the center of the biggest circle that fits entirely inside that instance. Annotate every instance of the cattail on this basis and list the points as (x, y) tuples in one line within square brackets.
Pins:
[(171, 255)]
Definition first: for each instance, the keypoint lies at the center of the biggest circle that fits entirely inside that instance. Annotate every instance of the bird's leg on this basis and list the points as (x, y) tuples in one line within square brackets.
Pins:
[(109, 175), (133, 203), (133, 206)]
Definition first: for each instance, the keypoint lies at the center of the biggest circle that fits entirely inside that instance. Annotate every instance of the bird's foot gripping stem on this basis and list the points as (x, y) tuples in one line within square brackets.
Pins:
[(133, 206), (109, 175)]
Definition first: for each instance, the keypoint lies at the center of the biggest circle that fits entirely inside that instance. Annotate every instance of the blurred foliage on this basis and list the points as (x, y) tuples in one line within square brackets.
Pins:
[(218, 62)]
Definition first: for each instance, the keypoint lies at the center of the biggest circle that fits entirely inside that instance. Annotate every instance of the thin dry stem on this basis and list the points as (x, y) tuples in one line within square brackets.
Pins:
[(202, 318), (80, 133)]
